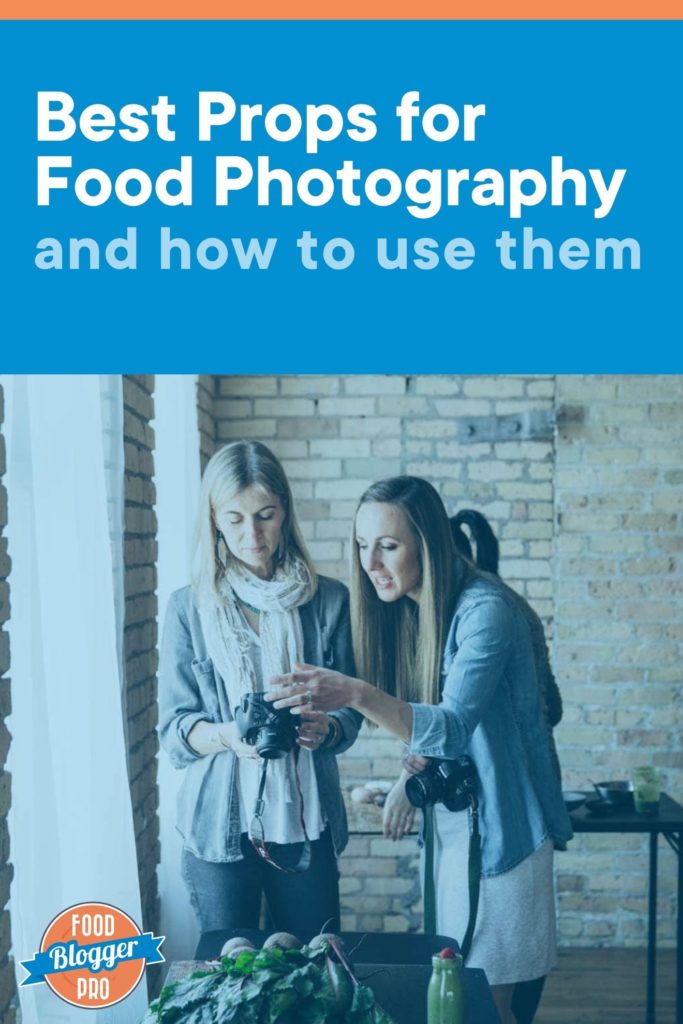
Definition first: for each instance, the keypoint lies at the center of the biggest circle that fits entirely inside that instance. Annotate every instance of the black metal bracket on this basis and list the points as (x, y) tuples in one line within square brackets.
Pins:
[(535, 425)]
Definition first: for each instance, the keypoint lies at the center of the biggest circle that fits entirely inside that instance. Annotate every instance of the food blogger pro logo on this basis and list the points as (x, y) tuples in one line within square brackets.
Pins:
[(92, 955)]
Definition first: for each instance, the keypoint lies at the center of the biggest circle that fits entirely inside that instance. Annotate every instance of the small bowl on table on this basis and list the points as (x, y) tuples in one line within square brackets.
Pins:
[(616, 793), (573, 799)]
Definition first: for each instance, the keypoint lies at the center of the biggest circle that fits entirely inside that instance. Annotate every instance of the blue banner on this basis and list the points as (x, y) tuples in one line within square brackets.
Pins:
[(95, 957), (547, 238)]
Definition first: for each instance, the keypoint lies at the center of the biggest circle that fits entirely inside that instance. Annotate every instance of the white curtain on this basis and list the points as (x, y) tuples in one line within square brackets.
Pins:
[(177, 475), (71, 822)]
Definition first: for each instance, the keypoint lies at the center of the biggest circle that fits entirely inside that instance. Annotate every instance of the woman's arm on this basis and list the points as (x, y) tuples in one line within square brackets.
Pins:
[(180, 706), (484, 640), (215, 737), (330, 691), (206, 738), (185, 729)]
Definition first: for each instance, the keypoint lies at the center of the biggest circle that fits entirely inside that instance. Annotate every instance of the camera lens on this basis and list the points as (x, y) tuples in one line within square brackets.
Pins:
[(452, 783), (277, 734), (272, 732), (274, 742), (422, 789)]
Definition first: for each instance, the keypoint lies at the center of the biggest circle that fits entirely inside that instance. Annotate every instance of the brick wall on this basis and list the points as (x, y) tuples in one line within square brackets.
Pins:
[(618, 648), (140, 637), (7, 984), (206, 388), (335, 436)]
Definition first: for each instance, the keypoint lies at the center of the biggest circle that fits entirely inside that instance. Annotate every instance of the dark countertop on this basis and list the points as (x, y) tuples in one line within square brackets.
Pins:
[(619, 819)]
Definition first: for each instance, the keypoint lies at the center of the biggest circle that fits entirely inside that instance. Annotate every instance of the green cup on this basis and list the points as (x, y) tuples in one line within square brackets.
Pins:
[(646, 790)]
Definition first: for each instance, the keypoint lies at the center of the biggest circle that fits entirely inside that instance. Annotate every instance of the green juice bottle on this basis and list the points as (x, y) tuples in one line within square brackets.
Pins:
[(434, 992), (452, 988)]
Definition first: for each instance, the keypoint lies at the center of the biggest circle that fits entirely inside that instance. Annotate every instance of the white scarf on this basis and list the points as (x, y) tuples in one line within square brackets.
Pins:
[(228, 642), (227, 637)]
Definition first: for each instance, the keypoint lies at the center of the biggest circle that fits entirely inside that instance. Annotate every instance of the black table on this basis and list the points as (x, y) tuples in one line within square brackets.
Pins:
[(397, 967), (669, 824)]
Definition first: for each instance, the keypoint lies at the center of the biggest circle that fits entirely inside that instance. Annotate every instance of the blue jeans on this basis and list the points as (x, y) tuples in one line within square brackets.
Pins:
[(228, 895)]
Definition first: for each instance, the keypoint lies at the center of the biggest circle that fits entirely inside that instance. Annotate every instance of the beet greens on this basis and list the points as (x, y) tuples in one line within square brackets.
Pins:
[(271, 986)]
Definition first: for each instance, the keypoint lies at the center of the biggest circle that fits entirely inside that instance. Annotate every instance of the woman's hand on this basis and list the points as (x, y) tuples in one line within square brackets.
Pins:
[(310, 688), (399, 813), (230, 736), (208, 738), (321, 689), (414, 763), (314, 729)]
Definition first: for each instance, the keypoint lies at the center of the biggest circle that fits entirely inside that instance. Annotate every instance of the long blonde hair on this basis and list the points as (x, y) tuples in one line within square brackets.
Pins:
[(231, 470), (398, 646)]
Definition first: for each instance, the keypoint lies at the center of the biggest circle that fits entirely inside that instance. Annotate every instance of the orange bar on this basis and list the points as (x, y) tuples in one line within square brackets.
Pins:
[(363, 10)]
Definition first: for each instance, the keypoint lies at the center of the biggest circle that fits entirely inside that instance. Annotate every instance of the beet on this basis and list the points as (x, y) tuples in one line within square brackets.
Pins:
[(282, 940), (236, 945)]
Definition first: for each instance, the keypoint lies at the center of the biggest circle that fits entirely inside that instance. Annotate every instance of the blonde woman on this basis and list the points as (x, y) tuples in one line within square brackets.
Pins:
[(255, 825), (453, 666)]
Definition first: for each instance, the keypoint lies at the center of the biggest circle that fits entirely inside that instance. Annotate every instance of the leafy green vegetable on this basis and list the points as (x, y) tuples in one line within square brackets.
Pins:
[(270, 986), (189, 992), (341, 987), (202, 1014), (363, 999)]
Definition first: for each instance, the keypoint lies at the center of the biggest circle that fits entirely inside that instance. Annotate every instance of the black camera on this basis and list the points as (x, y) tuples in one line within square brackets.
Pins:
[(452, 783), (271, 730)]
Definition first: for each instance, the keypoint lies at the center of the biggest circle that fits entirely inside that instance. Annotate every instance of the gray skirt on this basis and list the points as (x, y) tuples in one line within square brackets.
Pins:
[(515, 934)]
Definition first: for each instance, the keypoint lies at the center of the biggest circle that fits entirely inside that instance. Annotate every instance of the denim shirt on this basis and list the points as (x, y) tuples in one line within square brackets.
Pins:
[(191, 691), (490, 709)]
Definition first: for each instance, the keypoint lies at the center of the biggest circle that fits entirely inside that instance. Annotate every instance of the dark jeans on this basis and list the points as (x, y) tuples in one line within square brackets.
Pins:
[(228, 896)]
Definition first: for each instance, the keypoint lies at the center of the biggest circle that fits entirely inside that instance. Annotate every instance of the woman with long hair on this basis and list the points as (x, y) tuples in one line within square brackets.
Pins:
[(450, 670), (260, 809)]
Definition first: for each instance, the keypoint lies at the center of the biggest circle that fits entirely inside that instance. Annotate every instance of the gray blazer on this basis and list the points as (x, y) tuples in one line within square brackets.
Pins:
[(190, 691)]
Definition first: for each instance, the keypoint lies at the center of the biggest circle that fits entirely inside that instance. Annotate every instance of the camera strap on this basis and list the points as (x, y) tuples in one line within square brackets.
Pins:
[(473, 873), (429, 897), (257, 835)]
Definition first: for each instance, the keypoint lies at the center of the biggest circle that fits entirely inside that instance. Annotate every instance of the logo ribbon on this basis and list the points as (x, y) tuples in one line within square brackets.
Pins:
[(97, 956)]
